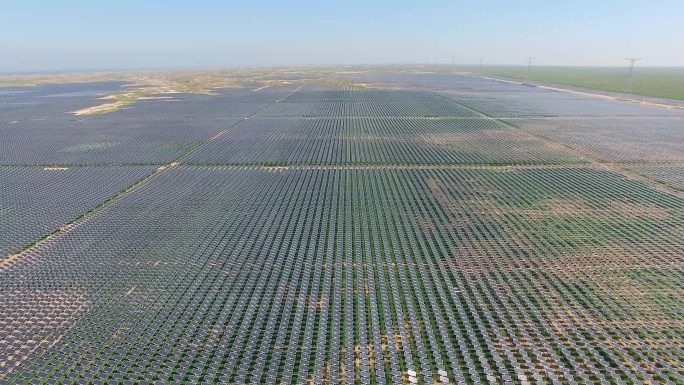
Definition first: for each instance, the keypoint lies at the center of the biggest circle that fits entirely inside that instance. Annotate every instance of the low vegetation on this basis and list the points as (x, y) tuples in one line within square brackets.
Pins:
[(655, 82)]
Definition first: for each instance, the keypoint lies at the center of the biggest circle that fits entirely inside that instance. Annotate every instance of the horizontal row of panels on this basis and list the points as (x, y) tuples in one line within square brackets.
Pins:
[(105, 141), (341, 140), (551, 107), (357, 275), (377, 141), (273, 140)]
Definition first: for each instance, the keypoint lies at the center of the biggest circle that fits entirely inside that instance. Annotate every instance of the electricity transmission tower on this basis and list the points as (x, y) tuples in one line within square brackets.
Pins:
[(529, 68), (630, 75), (481, 71)]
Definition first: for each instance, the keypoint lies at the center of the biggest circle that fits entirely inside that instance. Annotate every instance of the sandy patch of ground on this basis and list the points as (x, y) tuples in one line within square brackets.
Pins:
[(156, 98), (101, 109)]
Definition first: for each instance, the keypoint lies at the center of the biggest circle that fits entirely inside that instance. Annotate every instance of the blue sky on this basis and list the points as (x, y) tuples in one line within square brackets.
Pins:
[(127, 34)]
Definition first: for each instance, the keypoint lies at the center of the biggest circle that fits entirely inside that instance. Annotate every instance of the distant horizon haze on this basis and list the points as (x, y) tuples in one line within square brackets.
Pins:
[(458, 66), (71, 36)]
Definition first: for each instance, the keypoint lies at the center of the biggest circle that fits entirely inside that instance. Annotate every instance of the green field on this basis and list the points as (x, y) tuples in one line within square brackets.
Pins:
[(662, 82)]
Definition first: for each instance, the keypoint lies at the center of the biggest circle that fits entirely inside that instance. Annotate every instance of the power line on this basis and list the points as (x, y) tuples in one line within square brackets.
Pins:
[(529, 68), (630, 75)]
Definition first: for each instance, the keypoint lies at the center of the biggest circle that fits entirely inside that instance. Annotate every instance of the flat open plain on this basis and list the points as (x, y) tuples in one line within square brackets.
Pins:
[(377, 228)]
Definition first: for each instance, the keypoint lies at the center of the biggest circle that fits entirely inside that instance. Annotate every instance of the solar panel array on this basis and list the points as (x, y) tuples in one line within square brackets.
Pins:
[(341, 102), (447, 232), (34, 201), (672, 174), (377, 141), (51, 101), (615, 139), (105, 141), (502, 108)]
